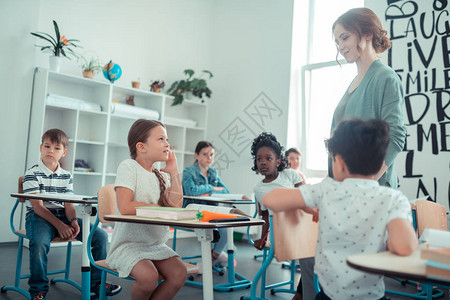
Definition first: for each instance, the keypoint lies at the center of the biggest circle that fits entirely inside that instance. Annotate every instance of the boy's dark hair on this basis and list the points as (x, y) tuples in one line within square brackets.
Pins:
[(267, 139), (362, 144), (293, 150), (56, 136)]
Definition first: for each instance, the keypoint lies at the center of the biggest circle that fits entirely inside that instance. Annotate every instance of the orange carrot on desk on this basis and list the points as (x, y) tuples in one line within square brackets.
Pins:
[(205, 216)]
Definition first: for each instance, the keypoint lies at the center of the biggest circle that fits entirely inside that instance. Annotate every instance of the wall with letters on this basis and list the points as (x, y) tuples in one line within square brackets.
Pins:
[(420, 54)]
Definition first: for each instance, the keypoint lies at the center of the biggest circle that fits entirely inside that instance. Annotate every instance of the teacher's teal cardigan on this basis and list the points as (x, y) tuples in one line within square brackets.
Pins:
[(380, 96)]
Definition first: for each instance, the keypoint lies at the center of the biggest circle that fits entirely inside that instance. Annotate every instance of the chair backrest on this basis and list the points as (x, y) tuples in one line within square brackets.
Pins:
[(295, 235), (106, 202), (20, 189), (430, 214)]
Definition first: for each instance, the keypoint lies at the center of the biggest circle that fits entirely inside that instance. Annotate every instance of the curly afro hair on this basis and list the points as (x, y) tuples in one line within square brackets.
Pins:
[(266, 139)]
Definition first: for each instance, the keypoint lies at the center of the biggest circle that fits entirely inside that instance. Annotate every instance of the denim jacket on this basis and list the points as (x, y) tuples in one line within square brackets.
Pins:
[(195, 184)]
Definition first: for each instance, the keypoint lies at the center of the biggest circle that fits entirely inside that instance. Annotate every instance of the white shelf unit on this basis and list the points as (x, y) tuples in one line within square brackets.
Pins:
[(100, 137)]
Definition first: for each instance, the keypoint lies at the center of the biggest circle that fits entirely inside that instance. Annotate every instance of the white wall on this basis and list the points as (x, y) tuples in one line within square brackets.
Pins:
[(246, 44), (17, 19), (251, 56)]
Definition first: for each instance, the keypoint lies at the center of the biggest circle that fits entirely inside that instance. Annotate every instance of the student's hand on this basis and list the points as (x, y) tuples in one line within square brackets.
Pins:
[(218, 188), (171, 163), (76, 229), (65, 231), (314, 212), (244, 197), (258, 245)]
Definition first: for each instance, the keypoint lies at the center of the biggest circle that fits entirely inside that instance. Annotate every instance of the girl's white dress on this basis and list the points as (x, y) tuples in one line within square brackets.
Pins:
[(134, 242)]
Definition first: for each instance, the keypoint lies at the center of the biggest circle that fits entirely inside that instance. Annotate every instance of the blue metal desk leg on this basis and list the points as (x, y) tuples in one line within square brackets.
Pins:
[(261, 274), (232, 284), (85, 266)]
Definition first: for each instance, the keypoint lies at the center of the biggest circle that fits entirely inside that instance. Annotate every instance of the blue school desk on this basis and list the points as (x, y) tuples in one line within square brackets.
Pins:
[(86, 203), (235, 280)]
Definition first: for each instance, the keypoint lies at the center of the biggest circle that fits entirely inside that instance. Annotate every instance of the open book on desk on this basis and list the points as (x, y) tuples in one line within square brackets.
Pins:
[(166, 213)]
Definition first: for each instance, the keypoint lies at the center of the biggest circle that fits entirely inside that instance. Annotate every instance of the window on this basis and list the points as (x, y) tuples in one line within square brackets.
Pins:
[(318, 84)]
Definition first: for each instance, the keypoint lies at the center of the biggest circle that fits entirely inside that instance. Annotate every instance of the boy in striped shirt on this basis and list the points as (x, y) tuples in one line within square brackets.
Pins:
[(45, 220)]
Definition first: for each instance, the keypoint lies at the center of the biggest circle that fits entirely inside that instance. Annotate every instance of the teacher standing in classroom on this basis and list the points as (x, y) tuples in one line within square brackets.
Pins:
[(376, 91)]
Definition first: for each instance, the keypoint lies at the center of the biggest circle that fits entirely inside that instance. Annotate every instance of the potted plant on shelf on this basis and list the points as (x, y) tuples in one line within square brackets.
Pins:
[(59, 46), (157, 85), (90, 66), (198, 87)]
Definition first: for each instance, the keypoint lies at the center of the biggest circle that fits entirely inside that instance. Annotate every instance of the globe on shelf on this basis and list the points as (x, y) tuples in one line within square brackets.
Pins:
[(112, 71)]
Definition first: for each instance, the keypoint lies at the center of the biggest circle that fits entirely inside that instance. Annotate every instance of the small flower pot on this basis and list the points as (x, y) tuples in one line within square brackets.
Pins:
[(88, 74), (55, 63), (156, 89)]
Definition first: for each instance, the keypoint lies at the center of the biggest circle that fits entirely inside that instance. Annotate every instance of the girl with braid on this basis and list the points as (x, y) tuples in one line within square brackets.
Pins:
[(140, 250)]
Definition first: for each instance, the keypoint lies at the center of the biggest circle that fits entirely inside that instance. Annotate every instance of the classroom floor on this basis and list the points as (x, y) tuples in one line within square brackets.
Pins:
[(247, 267)]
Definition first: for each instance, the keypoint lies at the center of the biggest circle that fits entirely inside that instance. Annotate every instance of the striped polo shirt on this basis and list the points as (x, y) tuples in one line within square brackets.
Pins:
[(40, 179)]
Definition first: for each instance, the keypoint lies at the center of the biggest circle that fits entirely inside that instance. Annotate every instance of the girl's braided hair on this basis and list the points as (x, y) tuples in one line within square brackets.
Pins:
[(267, 139)]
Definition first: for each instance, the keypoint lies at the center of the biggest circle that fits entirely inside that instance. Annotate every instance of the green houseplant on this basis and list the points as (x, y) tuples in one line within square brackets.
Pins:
[(90, 66), (198, 86), (59, 45)]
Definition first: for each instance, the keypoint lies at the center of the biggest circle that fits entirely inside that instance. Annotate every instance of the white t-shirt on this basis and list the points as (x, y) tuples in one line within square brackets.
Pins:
[(353, 216), (131, 242), (286, 178)]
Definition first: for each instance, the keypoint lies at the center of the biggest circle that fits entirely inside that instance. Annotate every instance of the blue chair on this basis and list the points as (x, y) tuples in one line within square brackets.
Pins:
[(21, 233), (107, 206)]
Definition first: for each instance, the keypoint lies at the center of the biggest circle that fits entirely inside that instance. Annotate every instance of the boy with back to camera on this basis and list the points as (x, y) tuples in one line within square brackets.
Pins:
[(45, 220), (354, 211)]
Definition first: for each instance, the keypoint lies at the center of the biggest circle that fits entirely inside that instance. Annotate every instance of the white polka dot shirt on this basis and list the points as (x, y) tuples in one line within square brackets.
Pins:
[(353, 217)]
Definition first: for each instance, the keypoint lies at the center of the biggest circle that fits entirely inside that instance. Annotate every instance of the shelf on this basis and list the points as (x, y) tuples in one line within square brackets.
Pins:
[(90, 142), (87, 173), (118, 145), (193, 103), (76, 79), (94, 113), (100, 137), (196, 128), (60, 108)]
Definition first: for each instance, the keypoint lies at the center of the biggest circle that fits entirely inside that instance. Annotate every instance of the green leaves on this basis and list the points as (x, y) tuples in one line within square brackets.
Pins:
[(59, 44), (198, 87)]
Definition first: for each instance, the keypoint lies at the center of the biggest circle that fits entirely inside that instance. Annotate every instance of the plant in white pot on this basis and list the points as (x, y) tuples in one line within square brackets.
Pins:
[(90, 66), (59, 46)]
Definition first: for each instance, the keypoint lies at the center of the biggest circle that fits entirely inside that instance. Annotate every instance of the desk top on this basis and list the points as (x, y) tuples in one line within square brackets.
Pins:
[(385, 263), (181, 223), (219, 199), (61, 197)]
